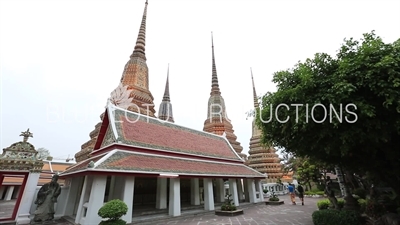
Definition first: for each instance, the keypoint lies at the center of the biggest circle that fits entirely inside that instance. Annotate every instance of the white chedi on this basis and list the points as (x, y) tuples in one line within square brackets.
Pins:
[(120, 97)]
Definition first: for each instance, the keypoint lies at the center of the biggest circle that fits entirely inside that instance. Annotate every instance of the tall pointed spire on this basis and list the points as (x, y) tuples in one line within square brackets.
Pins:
[(262, 158), (166, 91), (141, 39), (217, 121), (254, 91), (136, 75), (165, 112), (135, 79), (214, 79)]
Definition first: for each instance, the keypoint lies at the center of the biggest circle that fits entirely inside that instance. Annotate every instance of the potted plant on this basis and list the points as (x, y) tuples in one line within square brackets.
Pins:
[(229, 208), (274, 200), (113, 211)]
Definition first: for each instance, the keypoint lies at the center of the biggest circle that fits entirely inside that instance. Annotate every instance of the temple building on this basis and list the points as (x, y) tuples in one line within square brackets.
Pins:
[(262, 158), (152, 163), (135, 78), (217, 121)]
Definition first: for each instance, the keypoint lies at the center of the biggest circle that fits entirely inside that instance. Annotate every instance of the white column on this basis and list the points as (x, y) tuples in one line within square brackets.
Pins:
[(174, 197), (96, 200), (233, 191), (251, 190), (87, 184), (261, 196), (246, 190), (208, 194), (161, 197), (240, 189), (2, 189), (128, 197), (28, 198), (220, 192), (112, 189), (9, 192), (195, 191), (76, 183)]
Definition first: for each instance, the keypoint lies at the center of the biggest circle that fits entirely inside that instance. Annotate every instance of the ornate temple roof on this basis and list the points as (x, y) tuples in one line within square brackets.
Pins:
[(142, 163), (133, 143), (21, 156)]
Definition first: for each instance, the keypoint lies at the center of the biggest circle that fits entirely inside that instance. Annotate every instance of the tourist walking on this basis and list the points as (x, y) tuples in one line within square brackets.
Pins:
[(300, 189), (291, 193)]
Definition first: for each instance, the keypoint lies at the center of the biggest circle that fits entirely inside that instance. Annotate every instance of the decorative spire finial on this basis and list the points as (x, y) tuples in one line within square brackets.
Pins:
[(141, 39), (254, 91), (166, 92), (26, 134), (214, 78)]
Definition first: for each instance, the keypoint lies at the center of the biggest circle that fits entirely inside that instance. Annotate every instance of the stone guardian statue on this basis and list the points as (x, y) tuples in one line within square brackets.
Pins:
[(45, 200)]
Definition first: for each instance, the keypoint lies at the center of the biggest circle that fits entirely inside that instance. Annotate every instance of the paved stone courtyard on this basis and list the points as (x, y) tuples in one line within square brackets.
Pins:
[(259, 214)]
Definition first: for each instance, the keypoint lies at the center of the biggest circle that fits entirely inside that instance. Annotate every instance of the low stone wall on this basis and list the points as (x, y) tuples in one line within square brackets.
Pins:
[(59, 206)]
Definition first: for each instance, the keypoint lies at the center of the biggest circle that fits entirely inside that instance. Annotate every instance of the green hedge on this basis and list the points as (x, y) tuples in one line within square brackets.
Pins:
[(335, 217), (325, 203)]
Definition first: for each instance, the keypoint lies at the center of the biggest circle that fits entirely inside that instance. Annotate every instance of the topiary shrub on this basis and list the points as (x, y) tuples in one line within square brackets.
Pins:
[(335, 217), (323, 204), (360, 192), (113, 211)]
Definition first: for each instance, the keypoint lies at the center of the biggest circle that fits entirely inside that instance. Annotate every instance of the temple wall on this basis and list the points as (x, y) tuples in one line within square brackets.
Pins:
[(59, 206)]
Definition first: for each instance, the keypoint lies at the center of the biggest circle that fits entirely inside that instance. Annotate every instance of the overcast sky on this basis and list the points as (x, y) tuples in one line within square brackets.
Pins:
[(60, 60)]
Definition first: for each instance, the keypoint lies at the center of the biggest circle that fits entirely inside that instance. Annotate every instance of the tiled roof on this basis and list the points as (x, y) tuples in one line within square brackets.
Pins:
[(132, 162), (146, 132), (82, 165)]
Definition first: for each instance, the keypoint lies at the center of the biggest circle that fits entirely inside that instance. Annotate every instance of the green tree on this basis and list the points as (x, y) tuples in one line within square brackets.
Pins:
[(43, 153), (360, 90)]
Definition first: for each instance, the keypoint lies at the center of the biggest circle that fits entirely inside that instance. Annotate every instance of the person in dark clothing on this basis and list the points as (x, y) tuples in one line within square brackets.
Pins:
[(300, 189)]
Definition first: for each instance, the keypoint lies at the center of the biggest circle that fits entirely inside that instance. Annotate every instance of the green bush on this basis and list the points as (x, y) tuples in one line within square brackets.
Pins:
[(335, 217), (274, 197), (113, 211), (360, 192), (363, 204), (265, 191), (323, 204)]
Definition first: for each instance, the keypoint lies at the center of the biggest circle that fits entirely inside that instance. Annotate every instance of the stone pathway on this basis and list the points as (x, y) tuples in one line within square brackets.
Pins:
[(259, 214)]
